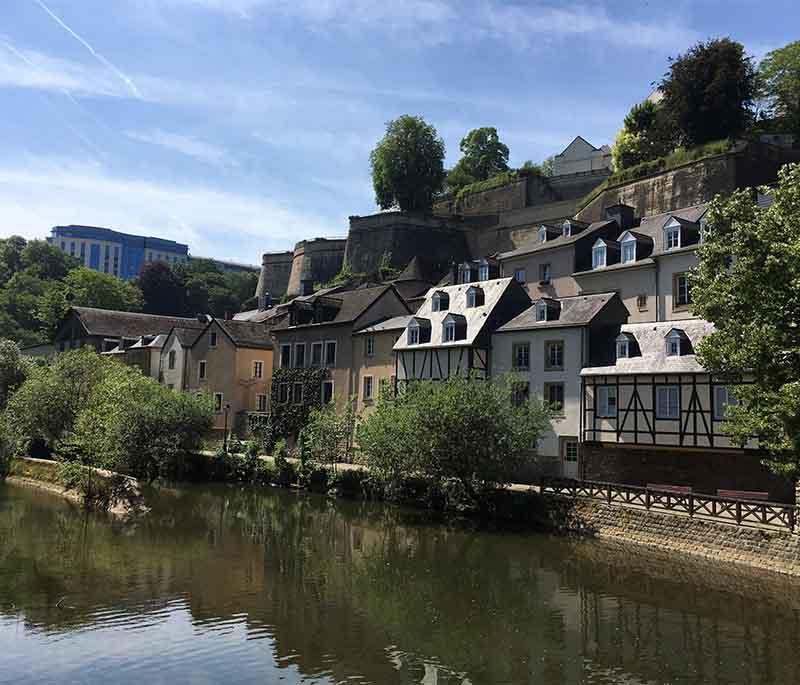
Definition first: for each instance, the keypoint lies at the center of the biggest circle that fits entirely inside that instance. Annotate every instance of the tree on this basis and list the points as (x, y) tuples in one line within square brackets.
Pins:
[(463, 429), (709, 92), (646, 135), (46, 261), (163, 291), (543, 168), (779, 79), (408, 165), (13, 370), (747, 283), (11, 250), (483, 156)]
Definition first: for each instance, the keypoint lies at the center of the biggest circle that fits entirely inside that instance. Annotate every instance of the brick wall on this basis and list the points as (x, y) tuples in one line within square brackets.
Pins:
[(706, 471)]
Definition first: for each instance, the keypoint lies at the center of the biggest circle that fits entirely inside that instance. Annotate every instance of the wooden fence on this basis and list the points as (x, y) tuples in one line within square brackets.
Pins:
[(724, 509)]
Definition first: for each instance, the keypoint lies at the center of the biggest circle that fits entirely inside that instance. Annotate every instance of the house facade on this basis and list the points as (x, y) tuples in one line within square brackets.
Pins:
[(174, 363)]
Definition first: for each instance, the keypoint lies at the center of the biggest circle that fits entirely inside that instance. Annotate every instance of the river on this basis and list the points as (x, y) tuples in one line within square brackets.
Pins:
[(241, 585)]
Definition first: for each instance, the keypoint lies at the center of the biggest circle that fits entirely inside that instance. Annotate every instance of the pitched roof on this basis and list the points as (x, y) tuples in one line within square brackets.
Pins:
[(560, 241), (396, 323), (257, 315), (247, 333), (653, 348), (417, 269), (578, 310), (113, 323), (350, 304), (652, 226), (186, 336), (476, 317)]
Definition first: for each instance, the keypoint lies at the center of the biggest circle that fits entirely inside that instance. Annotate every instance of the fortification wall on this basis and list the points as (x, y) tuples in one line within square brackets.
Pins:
[(276, 268), (403, 236), (318, 260)]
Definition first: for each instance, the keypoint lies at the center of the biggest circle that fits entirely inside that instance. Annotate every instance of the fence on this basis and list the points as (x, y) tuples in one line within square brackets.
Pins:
[(723, 509)]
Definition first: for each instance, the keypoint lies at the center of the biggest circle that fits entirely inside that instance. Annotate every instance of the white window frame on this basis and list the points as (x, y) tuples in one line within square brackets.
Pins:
[(559, 411), (629, 245), (599, 256), (258, 368), (288, 363), (298, 346), (202, 370), (413, 335), (437, 301), (515, 349), (672, 236), (544, 273), (623, 349), (665, 394), (470, 299), (542, 234), (566, 229), (571, 451), (541, 311), (683, 295), (673, 346), (606, 401), (549, 347), (722, 398), (328, 381), (171, 359), (221, 402), (519, 274), (317, 346), (368, 396), (483, 272), (295, 386), (369, 346), (261, 401), (449, 331), (335, 352)]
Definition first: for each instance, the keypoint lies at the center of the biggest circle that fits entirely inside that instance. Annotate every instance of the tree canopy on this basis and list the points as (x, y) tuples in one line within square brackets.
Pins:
[(483, 156), (747, 283), (779, 79), (709, 92), (645, 135), (408, 165)]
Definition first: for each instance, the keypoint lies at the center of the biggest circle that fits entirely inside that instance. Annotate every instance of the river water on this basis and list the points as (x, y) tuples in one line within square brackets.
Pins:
[(239, 585)]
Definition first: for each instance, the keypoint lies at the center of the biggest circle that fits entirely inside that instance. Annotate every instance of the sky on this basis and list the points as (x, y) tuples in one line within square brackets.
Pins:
[(242, 126)]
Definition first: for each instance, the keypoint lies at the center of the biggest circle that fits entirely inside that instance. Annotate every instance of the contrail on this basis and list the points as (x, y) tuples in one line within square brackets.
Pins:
[(94, 52)]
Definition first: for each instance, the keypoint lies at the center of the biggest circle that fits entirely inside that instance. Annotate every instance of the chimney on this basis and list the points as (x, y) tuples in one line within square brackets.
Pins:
[(622, 214), (306, 282), (203, 318), (264, 301)]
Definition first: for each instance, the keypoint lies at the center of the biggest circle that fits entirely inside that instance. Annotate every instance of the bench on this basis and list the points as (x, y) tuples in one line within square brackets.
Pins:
[(679, 489), (744, 494)]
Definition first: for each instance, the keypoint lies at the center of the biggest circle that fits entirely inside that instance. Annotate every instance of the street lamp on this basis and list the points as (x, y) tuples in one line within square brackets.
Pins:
[(225, 434)]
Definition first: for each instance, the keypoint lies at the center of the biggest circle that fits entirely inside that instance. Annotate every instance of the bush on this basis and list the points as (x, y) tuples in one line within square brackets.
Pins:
[(13, 370), (464, 429), (327, 438), (5, 452), (97, 491)]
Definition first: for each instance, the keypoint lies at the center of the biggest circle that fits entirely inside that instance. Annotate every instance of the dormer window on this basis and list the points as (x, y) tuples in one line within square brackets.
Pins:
[(454, 327), (475, 297), (566, 229), (449, 331), (672, 235), (626, 346), (419, 331), (543, 234), (599, 255), (541, 311), (628, 242), (483, 271), (413, 336), (440, 302), (677, 343), (464, 273)]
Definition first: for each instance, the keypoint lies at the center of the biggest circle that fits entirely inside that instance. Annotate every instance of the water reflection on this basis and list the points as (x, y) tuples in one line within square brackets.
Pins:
[(218, 583)]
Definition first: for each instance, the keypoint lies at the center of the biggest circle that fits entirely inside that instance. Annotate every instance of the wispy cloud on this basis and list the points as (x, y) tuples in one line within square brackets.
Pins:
[(42, 193), (185, 145), (100, 58)]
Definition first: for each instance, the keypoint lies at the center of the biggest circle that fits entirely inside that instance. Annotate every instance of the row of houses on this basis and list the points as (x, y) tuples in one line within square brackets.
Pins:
[(594, 318)]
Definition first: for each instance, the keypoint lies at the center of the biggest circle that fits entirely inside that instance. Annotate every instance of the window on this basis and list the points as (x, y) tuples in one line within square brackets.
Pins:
[(369, 346), (218, 401), (672, 237), (449, 331), (541, 311), (83, 252), (641, 301), (598, 256), (606, 401), (63, 246), (566, 229), (72, 248), (367, 388), (464, 273), (300, 355), (722, 398), (677, 343), (475, 297), (623, 348), (683, 294), (316, 354), (571, 451), (258, 369), (283, 393), (201, 370), (286, 356), (212, 339), (261, 403), (330, 353), (628, 251), (542, 234), (483, 272), (171, 360), (544, 273), (440, 302), (327, 392), (522, 356), (554, 355), (520, 393), (554, 396), (297, 393), (519, 275), (667, 402), (413, 336)]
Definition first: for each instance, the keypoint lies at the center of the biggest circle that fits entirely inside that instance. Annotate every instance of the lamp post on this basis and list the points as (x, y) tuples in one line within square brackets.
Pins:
[(225, 434)]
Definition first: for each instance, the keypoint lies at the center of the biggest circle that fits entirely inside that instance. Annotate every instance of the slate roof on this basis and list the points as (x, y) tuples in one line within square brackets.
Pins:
[(114, 324), (351, 303), (257, 315), (418, 269), (652, 226), (652, 345), (187, 336), (396, 323), (247, 333), (646, 261), (476, 317), (578, 310), (560, 241)]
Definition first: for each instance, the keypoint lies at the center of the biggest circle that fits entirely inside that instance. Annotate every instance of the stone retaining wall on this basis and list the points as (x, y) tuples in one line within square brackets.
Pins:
[(759, 548)]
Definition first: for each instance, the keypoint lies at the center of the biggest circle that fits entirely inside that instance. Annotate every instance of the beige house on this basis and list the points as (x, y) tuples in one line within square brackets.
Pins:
[(174, 363), (232, 362)]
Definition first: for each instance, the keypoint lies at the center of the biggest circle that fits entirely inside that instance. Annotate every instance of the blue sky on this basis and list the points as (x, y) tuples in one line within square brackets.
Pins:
[(242, 126)]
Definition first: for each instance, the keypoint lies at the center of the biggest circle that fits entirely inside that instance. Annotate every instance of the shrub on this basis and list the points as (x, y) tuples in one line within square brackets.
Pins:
[(13, 370), (327, 438), (96, 491)]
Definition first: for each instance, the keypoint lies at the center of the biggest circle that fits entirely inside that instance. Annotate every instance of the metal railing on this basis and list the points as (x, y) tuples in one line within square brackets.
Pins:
[(724, 509)]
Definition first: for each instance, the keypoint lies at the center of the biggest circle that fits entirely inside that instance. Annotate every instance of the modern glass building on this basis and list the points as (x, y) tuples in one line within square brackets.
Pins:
[(115, 253)]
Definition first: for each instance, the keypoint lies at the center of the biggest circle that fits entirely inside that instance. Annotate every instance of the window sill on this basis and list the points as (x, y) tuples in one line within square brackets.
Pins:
[(553, 368)]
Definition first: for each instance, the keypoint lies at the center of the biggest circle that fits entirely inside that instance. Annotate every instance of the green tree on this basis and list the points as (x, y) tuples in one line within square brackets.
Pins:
[(13, 370), (11, 250), (19, 301), (483, 156), (46, 261), (163, 290), (408, 165), (779, 79), (709, 92), (464, 430), (645, 135), (543, 168), (747, 283)]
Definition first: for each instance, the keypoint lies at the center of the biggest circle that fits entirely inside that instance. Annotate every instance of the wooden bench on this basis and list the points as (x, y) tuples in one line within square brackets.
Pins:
[(744, 494), (679, 489)]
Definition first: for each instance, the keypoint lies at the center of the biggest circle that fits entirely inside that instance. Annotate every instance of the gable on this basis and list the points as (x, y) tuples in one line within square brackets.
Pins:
[(577, 149), (388, 305)]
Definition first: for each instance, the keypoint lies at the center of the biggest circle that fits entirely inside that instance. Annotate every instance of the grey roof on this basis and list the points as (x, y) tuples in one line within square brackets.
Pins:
[(186, 336), (256, 315), (652, 345), (578, 310), (560, 241), (247, 333), (647, 261), (652, 226), (418, 270), (351, 303), (396, 323), (476, 317), (113, 323)]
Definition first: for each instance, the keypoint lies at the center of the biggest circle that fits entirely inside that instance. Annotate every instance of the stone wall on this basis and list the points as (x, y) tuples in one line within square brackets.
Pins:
[(704, 470), (761, 548), (319, 260), (276, 268)]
